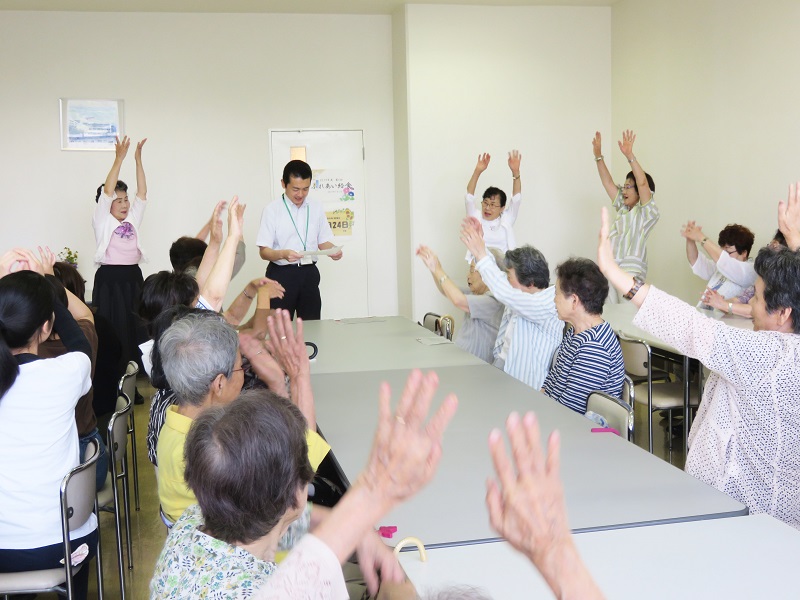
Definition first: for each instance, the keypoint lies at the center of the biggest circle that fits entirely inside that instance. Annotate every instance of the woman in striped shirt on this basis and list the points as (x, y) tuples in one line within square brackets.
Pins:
[(589, 358)]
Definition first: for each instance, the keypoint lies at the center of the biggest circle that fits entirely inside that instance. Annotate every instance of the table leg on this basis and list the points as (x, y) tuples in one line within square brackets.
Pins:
[(686, 408)]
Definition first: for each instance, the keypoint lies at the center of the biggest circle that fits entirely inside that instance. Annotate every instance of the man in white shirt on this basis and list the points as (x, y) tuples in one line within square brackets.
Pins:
[(290, 226)]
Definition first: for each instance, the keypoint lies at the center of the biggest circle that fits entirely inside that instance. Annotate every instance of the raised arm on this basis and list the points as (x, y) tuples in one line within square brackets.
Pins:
[(76, 307), (141, 180), (693, 234), (445, 285), (480, 167), (120, 152), (216, 286), (241, 304), (789, 217), (514, 160), (626, 146), (732, 306), (214, 227), (605, 177)]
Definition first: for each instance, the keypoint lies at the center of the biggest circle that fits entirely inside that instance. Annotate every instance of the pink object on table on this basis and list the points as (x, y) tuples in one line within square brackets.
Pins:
[(387, 531), (605, 430)]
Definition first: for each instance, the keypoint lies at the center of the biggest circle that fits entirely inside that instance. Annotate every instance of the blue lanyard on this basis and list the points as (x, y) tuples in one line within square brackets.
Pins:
[(303, 241)]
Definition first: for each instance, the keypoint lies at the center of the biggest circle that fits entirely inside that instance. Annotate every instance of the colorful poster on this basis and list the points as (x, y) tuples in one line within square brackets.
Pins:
[(341, 221), (331, 185)]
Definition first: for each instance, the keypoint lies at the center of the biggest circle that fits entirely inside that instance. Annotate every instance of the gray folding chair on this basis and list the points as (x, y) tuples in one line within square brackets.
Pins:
[(447, 326), (618, 413), (668, 396), (431, 322), (109, 498), (127, 386), (78, 501)]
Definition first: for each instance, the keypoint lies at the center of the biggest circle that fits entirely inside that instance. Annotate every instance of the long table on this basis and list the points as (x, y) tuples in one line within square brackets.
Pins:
[(379, 343), (608, 482), (743, 558)]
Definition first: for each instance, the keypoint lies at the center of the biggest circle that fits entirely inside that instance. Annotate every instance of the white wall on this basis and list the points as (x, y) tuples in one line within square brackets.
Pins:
[(711, 89), (205, 89), (484, 79)]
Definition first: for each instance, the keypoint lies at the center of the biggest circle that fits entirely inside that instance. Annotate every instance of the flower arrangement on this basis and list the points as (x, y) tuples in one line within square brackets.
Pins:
[(68, 255)]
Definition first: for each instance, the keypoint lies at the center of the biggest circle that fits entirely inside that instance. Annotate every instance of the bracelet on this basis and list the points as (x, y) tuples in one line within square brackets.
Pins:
[(246, 295), (637, 283), (442, 279), (631, 160), (730, 308), (514, 178), (703, 241), (598, 158)]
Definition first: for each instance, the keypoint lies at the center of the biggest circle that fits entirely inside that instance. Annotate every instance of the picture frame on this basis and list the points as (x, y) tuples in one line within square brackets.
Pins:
[(91, 125)]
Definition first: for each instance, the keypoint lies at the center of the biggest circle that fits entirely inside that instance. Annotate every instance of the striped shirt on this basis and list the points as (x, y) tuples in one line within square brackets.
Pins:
[(535, 328), (162, 400), (479, 330), (586, 362), (629, 234)]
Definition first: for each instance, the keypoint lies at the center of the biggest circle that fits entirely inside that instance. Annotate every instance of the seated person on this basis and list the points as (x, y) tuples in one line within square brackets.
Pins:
[(203, 366), (482, 312), (589, 358), (530, 330), (743, 441), (729, 275), (495, 217)]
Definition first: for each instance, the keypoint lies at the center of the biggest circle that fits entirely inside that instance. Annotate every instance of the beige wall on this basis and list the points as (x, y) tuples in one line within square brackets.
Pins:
[(484, 79), (711, 89), (205, 89)]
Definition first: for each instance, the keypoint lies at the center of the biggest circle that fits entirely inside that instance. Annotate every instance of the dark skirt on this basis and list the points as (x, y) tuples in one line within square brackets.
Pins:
[(116, 295)]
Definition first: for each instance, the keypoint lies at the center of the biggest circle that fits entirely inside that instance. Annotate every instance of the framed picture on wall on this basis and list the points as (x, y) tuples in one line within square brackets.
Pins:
[(90, 124)]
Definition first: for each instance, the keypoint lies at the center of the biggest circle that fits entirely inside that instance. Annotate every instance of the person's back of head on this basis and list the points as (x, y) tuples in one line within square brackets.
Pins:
[(186, 252), (779, 268), (582, 277), (163, 290), (161, 323), (26, 306), (530, 266), (194, 351), (247, 464), (71, 278)]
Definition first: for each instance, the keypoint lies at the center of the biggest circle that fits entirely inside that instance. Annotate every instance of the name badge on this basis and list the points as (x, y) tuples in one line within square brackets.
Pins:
[(307, 260)]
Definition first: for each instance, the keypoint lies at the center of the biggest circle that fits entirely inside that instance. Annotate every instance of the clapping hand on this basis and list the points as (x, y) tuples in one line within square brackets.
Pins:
[(789, 217), (429, 258), (691, 231), (472, 237)]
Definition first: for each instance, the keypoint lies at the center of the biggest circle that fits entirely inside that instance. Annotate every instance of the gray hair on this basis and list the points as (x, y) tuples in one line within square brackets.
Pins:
[(530, 266), (459, 592), (498, 257), (194, 350)]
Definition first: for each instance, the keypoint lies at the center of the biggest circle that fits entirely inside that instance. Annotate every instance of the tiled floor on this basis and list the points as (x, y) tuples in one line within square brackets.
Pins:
[(149, 532)]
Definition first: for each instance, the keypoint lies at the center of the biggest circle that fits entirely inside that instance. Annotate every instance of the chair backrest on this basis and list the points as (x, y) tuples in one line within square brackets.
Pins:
[(636, 355), (447, 325), (127, 383), (618, 414), (628, 391), (78, 489), (431, 322), (118, 428)]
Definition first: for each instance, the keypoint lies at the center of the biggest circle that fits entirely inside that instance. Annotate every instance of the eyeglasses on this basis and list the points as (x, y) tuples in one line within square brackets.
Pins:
[(629, 186), (488, 204)]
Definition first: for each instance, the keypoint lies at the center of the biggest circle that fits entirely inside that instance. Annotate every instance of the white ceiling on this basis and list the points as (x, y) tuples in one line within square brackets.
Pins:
[(379, 7)]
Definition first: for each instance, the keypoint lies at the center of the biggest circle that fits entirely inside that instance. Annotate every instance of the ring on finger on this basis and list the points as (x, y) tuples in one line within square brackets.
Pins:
[(400, 419)]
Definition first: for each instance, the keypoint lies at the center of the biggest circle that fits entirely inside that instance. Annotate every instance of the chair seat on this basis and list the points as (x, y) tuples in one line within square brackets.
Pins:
[(666, 396), (33, 581)]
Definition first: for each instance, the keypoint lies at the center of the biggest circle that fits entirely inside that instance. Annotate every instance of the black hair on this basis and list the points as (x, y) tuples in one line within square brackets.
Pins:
[(492, 191), (296, 168), (26, 304), (164, 289), (738, 236), (59, 290), (780, 238), (779, 268), (650, 183), (530, 266), (120, 187), (582, 277), (185, 251), (71, 278)]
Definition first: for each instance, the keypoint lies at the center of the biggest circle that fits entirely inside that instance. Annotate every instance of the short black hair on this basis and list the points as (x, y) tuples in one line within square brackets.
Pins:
[(296, 168), (530, 266), (59, 291), (738, 236), (779, 268), (650, 183), (71, 278), (120, 187), (164, 289), (245, 463), (492, 191), (780, 238), (185, 251), (582, 277)]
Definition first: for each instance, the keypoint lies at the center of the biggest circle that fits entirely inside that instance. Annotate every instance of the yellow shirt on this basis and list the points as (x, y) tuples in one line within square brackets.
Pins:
[(173, 493)]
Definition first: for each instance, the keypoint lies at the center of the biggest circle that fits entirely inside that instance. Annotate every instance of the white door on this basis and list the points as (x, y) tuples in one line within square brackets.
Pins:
[(337, 162)]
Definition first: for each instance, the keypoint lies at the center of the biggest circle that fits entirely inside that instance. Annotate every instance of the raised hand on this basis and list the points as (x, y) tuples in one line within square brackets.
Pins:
[(406, 451), (597, 145), (287, 346), (691, 231), (472, 237), (235, 219), (514, 160), (48, 259), (137, 155), (789, 217), (263, 364), (33, 263), (270, 286), (626, 144), (715, 299), (121, 148), (605, 254), (215, 222), (483, 162), (429, 258), (12, 261)]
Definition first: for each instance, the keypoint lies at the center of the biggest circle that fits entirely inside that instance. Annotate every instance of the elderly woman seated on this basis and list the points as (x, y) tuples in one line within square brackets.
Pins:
[(726, 268), (482, 311), (589, 358), (202, 363), (744, 440)]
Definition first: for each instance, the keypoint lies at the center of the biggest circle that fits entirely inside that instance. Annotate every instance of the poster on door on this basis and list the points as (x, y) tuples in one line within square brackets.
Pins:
[(332, 185), (341, 221)]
